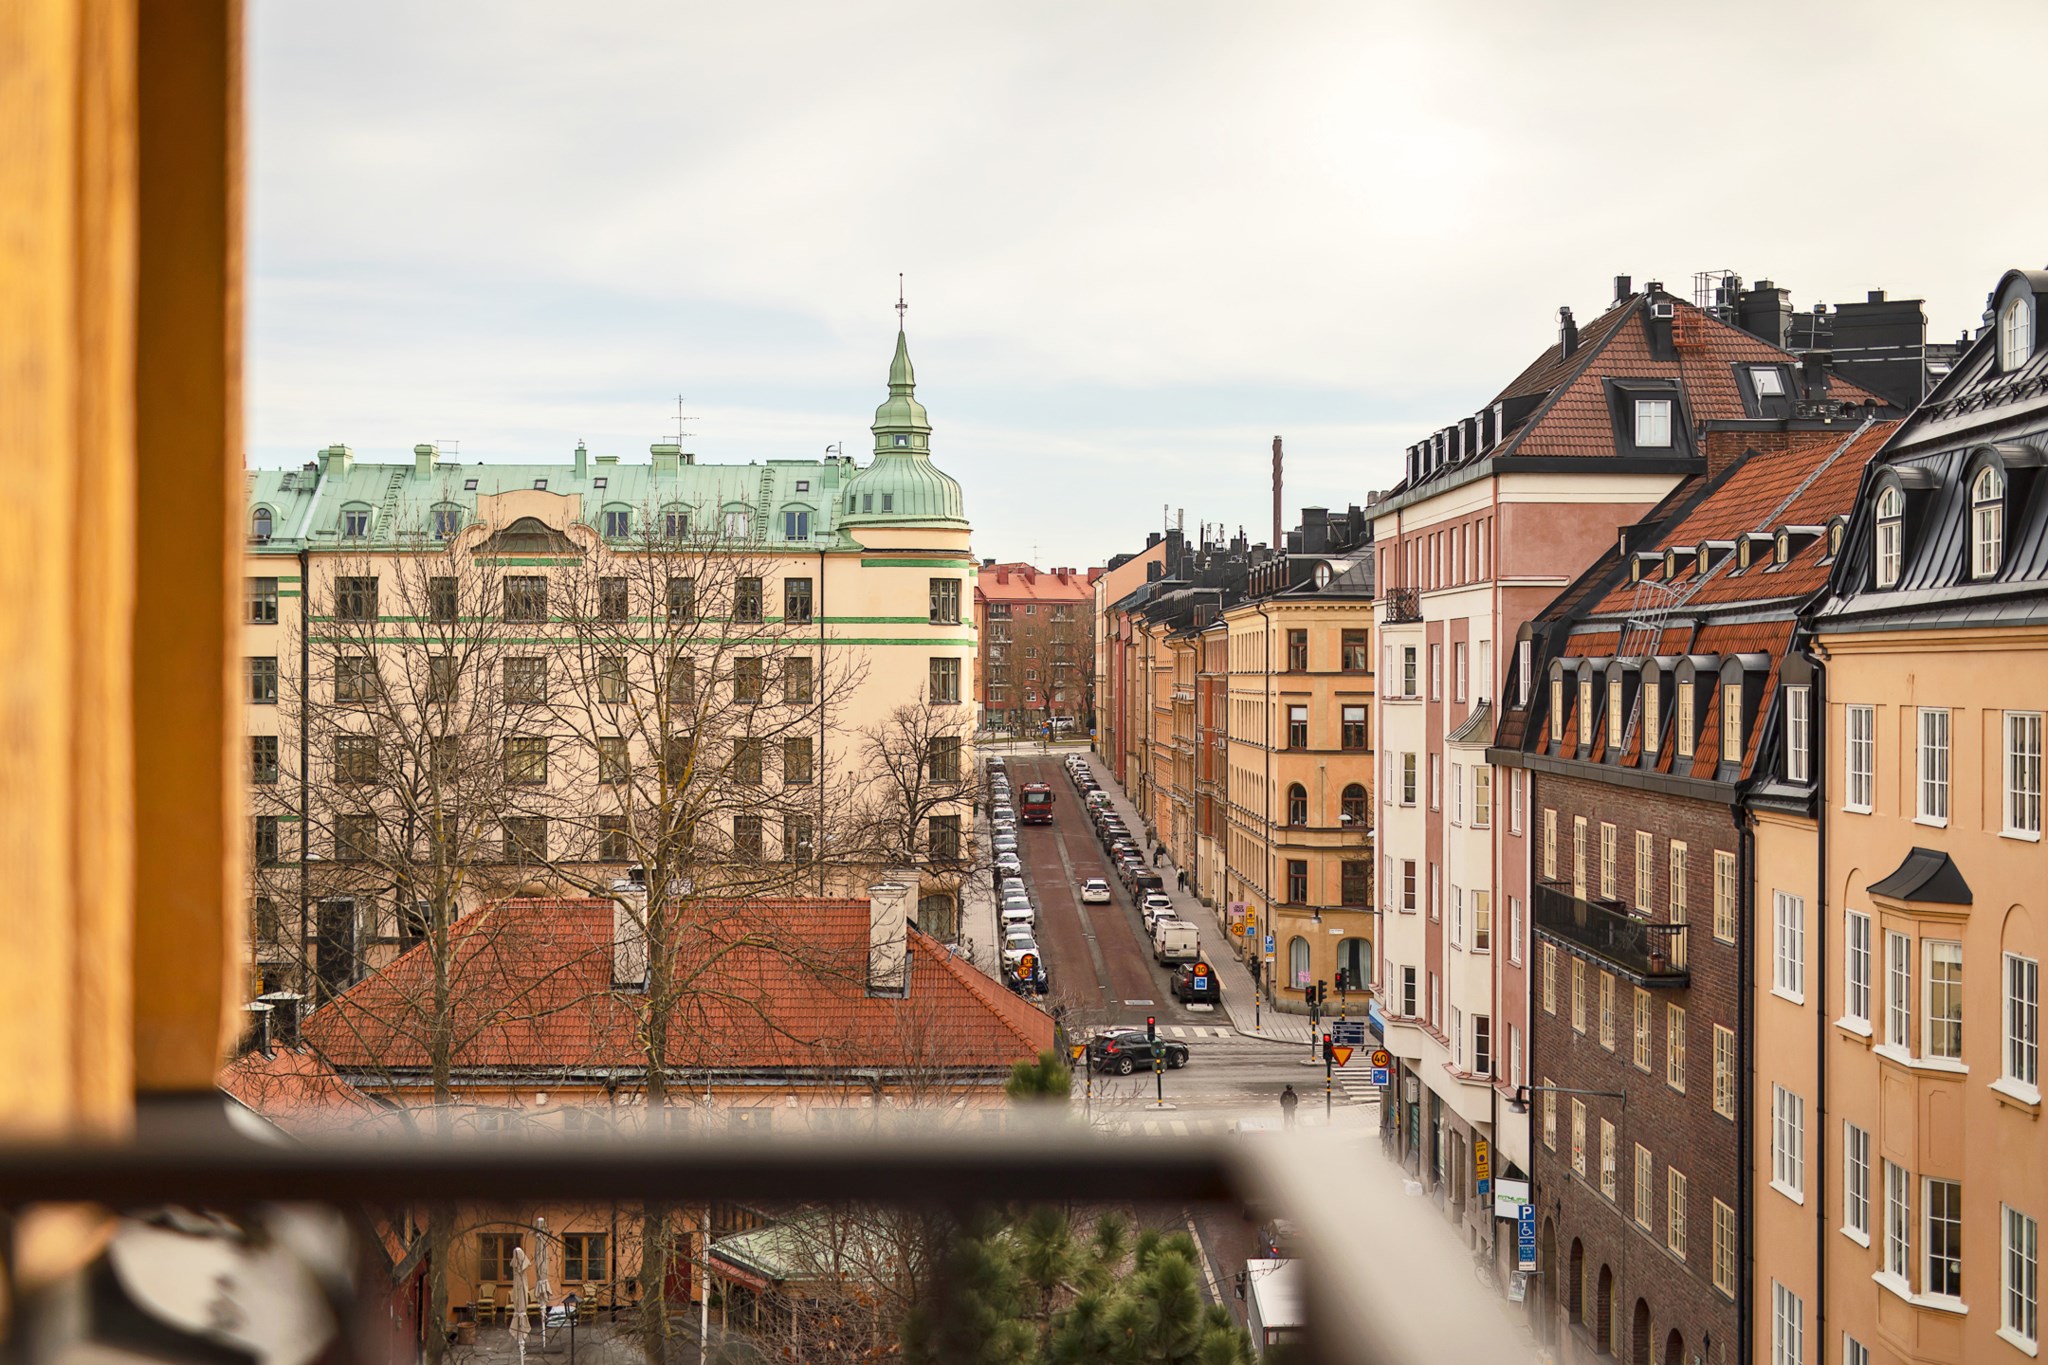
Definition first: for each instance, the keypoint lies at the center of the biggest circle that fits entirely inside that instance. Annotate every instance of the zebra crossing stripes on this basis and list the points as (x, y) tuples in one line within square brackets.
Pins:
[(1194, 1031)]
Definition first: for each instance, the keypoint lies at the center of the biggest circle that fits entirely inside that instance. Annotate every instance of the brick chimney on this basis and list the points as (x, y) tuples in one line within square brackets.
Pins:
[(286, 1008), (889, 935), (629, 932)]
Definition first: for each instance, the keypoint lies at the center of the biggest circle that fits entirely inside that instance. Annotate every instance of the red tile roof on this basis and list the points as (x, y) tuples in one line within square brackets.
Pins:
[(773, 984), (1576, 420), (296, 1090), (1026, 583)]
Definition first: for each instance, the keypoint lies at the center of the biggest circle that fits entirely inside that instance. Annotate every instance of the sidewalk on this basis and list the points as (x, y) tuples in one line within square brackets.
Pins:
[(1247, 1016)]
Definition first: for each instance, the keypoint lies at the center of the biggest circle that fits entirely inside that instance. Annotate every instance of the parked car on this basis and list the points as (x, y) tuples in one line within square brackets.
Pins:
[(1153, 912), (1003, 842), (1095, 891), (1008, 864), (1018, 917), (1194, 984), (1124, 1050)]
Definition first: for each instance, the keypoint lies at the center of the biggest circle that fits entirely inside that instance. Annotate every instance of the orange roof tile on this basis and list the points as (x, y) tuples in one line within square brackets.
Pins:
[(295, 1089), (776, 984), (1028, 583)]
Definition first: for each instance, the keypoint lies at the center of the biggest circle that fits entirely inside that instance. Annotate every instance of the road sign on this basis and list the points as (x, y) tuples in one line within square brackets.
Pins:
[(1269, 944), (1027, 967), (1350, 1031), (1525, 1237), (1252, 931), (1382, 1058), (1075, 1050), (1201, 981), (1379, 1076), (1339, 1053), (1482, 1168)]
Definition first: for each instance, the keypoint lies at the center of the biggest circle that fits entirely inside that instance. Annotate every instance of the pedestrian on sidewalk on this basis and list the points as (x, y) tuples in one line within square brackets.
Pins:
[(1158, 856), (1183, 878), (1288, 1099)]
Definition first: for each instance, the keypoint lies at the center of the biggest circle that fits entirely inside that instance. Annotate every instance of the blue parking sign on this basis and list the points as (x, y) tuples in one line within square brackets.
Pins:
[(1269, 943), (1379, 1075), (1525, 1237)]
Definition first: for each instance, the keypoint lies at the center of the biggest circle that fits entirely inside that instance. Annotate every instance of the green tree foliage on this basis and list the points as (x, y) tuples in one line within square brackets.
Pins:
[(1048, 1078), (1034, 1291)]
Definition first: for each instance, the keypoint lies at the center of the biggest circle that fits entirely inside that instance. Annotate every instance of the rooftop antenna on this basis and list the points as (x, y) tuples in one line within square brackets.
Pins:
[(681, 419), (449, 447)]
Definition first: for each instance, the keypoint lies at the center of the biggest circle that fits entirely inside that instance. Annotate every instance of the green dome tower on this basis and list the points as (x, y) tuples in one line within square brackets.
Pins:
[(902, 486)]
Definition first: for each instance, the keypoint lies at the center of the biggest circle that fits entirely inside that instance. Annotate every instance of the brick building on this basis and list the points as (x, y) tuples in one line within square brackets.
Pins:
[(1037, 647), (1660, 680)]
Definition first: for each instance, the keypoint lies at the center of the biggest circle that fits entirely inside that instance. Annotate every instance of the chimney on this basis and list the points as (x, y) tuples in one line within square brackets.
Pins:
[(1276, 491), (1765, 312), (1315, 529), (888, 936), (423, 462), (335, 460), (1567, 333), (629, 931), (285, 1010), (988, 563), (256, 1027), (668, 456), (1622, 287), (1816, 364), (582, 460)]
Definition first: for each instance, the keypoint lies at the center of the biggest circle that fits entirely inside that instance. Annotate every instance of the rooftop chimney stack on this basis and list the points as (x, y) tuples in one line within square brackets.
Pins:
[(423, 462), (582, 460), (256, 1028), (285, 1010), (1623, 287), (1567, 333), (889, 935), (629, 931), (1276, 492)]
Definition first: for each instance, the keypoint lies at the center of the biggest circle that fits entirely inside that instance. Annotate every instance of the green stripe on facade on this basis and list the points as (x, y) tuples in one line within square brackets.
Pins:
[(917, 563)]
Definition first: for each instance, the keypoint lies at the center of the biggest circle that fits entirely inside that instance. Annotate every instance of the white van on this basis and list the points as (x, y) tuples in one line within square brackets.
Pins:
[(1175, 940)]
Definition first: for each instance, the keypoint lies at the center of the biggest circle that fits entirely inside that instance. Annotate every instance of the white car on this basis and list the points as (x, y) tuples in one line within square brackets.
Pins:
[(1017, 917), (1008, 864), (1095, 891), (1016, 944)]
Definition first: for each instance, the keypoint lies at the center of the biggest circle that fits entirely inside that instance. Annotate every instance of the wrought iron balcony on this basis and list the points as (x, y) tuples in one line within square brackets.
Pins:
[(1647, 954), (1402, 607)]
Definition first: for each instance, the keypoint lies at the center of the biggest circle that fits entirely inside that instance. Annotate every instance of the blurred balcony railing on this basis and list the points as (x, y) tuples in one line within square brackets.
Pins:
[(1402, 607), (1647, 954)]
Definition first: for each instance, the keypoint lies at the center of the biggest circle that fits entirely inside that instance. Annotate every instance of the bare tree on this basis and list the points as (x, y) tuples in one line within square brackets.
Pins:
[(920, 789)]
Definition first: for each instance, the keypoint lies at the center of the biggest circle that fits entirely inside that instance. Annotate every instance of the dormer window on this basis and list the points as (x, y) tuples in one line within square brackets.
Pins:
[(1614, 712), (447, 521), (355, 522), (259, 525), (1781, 552), (1650, 717), (1798, 733), (1891, 535), (1585, 710), (1987, 521), (618, 523), (1731, 722), (1769, 381), (1671, 563), (1742, 555), (1835, 531), (1653, 421), (1557, 708), (2016, 334)]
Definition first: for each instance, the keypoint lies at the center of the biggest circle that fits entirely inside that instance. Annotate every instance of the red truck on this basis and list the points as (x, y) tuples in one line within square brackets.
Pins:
[(1034, 804)]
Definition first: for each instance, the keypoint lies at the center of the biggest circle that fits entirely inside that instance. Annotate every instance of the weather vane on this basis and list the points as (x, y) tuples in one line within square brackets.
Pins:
[(901, 306)]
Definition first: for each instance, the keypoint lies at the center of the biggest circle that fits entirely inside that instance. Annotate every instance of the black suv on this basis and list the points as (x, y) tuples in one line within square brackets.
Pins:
[(1186, 989), (1124, 1050)]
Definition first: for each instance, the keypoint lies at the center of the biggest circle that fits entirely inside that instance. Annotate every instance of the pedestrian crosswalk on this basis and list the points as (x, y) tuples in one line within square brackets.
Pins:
[(1194, 1031)]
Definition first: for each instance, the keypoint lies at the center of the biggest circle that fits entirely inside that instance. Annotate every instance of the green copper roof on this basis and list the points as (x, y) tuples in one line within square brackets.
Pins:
[(902, 485)]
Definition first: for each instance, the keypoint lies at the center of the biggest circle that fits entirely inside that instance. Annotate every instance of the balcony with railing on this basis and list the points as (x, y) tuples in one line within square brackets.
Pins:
[(1402, 606), (1648, 954)]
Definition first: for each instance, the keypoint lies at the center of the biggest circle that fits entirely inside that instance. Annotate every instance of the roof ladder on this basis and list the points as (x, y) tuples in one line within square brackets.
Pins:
[(767, 500), (1651, 603), (386, 514)]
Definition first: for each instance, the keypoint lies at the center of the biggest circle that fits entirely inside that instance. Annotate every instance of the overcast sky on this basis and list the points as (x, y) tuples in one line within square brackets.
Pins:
[(1140, 239)]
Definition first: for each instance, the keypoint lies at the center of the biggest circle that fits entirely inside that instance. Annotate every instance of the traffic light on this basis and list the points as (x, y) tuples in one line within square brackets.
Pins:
[(1322, 993), (1343, 980), (1151, 1028), (1329, 1055)]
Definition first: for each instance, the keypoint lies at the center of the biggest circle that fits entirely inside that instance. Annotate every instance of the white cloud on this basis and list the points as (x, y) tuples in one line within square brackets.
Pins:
[(533, 222)]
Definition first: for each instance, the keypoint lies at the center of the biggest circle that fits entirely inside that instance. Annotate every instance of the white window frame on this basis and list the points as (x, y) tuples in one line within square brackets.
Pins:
[(1856, 959), (2022, 774), (1646, 1188), (1687, 737), (1614, 715), (1798, 724), (2021, 1053), (1898, 991), (1646, 869), (1525, 659), (1788, 946), (1948, 1228), (1767, 380), (1788, 1327), (1932, 802), (1788, 1143), (1897, 1260), (1650, 690), (1856, 1183), (2019, 1290), (1987, 522), (1859, 759), (1891, 536), (1653, 423), (2016, 334), (1941, 1013)]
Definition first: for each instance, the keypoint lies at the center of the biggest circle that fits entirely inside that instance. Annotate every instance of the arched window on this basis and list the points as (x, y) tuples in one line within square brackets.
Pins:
[(1297, 805), (1891, 535), (1355, 805), (259, 524), (675, 522), (1742, 555), (1987, 521), (355, 521), (1354, 959), (1297, 960), (2016, 334), (1781, 554)]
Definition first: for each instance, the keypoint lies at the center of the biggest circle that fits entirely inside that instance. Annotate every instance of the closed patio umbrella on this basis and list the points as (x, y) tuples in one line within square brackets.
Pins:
[(519, 1265)]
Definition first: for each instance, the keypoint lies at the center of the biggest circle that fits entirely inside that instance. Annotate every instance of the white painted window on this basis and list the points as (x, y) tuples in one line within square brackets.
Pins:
[(1579, 1138), (2016, 334), (2020, 1316), (1769, 381), (1525, 660), (1942, 1276), (1798, 724), (1614, 716), (1854, 1352), (1788, 1327), (1987, 522), (2022, 1019), (1646, 1187), (2023, 773), (1436, 672), (1898, 991), (1856, 1182), (1898, 1222), (1891, 536), (1856, 966), (1607, 1172), (1859, 758), (1685, 726), (1675, 1211), (1646, 868), (1944, 1012), (1515, 930), (1651, 695), (1788, 940), (1731, 723), (1482, 796), (1408, 683), (1653, 422), (1788, 1142), (1933, 807)]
